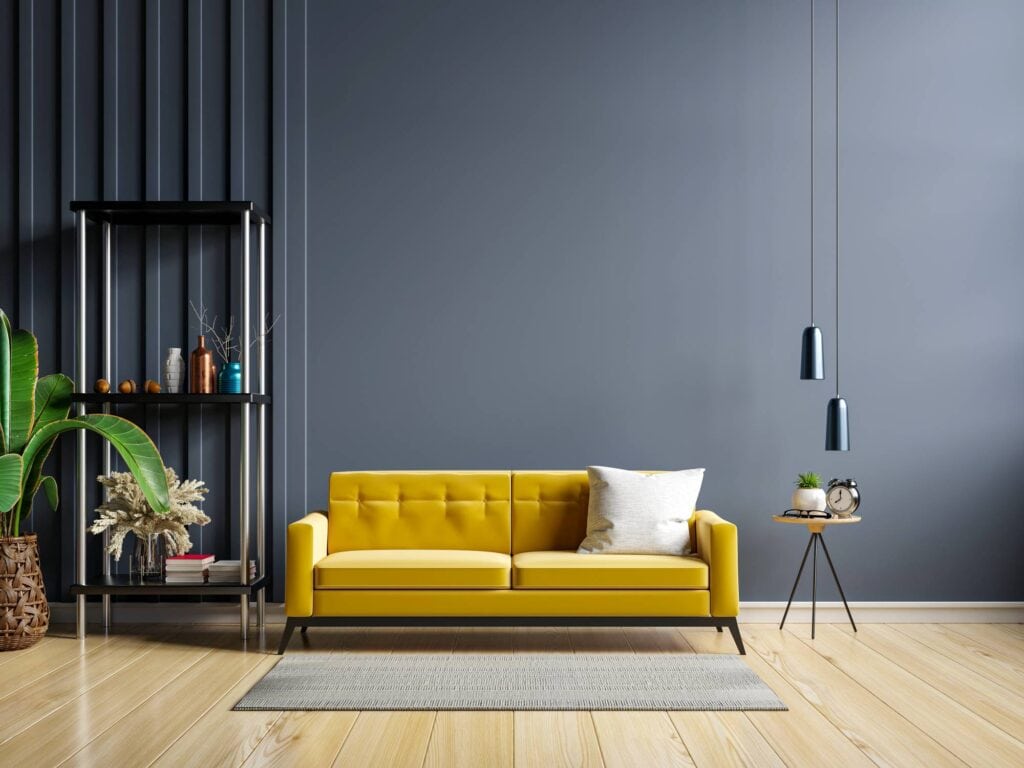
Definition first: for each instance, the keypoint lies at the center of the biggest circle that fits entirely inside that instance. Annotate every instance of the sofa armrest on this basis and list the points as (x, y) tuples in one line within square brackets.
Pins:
[(717, 546), (307, 545)]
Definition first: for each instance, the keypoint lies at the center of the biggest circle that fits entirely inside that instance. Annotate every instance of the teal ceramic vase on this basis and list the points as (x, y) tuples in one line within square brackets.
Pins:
[(229, 380)]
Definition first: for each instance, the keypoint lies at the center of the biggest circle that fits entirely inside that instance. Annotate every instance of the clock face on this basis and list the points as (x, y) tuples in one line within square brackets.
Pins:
[(840, 500)]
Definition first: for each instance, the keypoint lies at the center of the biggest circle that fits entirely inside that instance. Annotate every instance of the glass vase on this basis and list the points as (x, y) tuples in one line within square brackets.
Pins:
[(147, 561)]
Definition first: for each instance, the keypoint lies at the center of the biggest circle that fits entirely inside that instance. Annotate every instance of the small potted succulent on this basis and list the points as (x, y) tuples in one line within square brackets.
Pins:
[(809, 496)]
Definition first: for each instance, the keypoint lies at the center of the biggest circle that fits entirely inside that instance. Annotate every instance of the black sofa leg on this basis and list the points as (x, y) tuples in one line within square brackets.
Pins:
[(719, 627), (305, 629), (734, 628), (289, 627)]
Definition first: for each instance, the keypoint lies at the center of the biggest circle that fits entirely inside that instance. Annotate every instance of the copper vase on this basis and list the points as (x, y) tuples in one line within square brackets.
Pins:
[(201, 370)]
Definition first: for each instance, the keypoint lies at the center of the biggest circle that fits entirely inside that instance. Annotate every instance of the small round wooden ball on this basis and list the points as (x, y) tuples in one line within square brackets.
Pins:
[(151, 387), (127, 386), (102, 386)]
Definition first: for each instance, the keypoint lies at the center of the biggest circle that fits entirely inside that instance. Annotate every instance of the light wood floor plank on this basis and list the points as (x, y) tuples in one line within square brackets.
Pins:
[(387, 740), (221, 736), (971, 738), (556, 740), (471, 740), (639, 740), (656, 640), (66, 730), (1000, 706), (425, 640), (47, 694), (303, 739), (801, 736), (541, 640), (58, 652), (878, 730), (980, 658), (599, 640), (724, 738), (163, 718), (961, 685), (484, 640), (995, 637), (1017, 630)]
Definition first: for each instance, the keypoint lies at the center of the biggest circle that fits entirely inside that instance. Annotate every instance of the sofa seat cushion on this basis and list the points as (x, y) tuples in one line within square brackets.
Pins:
[(571, 570), (413, 569)]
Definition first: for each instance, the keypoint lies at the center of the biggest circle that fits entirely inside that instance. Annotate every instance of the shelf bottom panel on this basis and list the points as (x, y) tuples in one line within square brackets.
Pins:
[(122, 585)]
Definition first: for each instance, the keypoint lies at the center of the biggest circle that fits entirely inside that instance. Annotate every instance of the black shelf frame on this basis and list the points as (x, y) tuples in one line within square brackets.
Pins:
[(181, 398), (250, 220), (169, 212), (121, 584)]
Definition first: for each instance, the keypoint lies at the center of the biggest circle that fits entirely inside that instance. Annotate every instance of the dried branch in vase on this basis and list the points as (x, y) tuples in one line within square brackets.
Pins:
[(127, 511), (222, 338)]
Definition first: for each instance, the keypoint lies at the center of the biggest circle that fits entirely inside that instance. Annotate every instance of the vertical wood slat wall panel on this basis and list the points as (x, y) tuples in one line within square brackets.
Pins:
[(9, 182), (124, 100), (68, 190), (278, 377)]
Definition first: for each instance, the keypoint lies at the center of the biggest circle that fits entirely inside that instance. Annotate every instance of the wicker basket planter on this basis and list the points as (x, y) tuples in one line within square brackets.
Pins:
[(24, 612)]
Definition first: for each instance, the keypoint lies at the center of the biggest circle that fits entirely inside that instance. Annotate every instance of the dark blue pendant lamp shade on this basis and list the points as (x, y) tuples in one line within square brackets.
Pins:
[(812, 363), (837, 426)]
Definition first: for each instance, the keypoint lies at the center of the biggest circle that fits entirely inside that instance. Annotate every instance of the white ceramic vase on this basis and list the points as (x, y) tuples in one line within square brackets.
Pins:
[(809, 499), (174, 370)]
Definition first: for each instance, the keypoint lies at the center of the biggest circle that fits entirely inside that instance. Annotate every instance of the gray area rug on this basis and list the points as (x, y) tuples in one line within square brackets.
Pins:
[(501, 681)]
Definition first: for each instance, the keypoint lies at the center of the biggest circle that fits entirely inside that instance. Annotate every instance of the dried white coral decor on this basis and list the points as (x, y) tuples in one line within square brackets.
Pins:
[(127, 511)]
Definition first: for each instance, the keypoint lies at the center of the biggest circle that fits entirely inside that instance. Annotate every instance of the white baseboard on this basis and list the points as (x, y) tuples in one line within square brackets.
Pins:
[(750, 612), (887, 613)]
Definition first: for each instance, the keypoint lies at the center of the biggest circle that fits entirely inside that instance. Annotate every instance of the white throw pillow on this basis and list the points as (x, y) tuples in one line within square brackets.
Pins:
[(638, 514)]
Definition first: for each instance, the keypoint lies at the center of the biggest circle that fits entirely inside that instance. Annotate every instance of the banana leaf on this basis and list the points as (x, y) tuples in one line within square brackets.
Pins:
[(5, 375), (10, 480), (24, 370), (134, 446), (53, 399)]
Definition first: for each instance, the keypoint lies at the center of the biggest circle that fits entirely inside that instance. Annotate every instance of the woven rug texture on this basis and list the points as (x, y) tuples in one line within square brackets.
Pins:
[(501, 681)]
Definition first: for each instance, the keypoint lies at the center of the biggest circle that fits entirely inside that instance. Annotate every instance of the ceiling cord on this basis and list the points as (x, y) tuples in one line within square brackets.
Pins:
[(837, 197), (812, 162)]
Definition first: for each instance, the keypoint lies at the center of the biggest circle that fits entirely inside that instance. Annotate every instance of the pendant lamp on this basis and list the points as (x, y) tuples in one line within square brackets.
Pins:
[(812, 362), (837, 419)]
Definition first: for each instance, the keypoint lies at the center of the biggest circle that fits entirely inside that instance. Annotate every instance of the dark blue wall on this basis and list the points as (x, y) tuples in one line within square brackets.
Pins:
[(547, 234)]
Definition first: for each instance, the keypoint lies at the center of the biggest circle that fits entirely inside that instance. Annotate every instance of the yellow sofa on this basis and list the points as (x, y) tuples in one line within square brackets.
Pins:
[(492, 548)]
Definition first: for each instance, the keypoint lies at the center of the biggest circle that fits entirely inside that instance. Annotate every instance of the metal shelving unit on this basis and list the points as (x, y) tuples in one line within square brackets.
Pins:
[(245, 215)]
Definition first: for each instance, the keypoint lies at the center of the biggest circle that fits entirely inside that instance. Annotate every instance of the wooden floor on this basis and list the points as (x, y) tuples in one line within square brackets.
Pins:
[(895, 695)]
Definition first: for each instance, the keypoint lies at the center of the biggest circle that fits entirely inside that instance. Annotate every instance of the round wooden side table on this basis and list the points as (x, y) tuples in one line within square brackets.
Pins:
[(816, 526)]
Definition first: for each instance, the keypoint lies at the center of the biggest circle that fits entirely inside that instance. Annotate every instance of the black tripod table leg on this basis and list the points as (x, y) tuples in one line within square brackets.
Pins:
[(836, 577), (814, 581)]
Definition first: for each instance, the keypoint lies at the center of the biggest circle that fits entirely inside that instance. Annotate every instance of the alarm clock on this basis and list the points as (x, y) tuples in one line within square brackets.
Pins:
[(842, 497)]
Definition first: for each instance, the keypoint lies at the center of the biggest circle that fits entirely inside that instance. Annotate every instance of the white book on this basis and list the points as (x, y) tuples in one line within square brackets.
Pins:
[(226, 564)]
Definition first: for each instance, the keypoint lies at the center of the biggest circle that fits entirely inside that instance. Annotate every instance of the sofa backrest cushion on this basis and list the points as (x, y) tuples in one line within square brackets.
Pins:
[(549, 511), (420, 510)]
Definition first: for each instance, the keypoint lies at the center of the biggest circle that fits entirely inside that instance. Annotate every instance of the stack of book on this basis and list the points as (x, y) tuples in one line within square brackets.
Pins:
[(188, 569), (227, 571)]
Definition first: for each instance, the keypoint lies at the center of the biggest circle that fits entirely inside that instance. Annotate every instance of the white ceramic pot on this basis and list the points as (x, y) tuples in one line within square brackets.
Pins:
[(174, 370), (809, 499)]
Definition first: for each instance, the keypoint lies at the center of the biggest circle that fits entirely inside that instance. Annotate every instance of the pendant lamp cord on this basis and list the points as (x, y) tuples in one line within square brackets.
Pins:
[(837, 197), (812, 162)]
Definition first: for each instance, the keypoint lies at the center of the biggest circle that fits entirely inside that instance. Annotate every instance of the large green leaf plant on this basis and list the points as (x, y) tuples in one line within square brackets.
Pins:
[(34, 412)]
